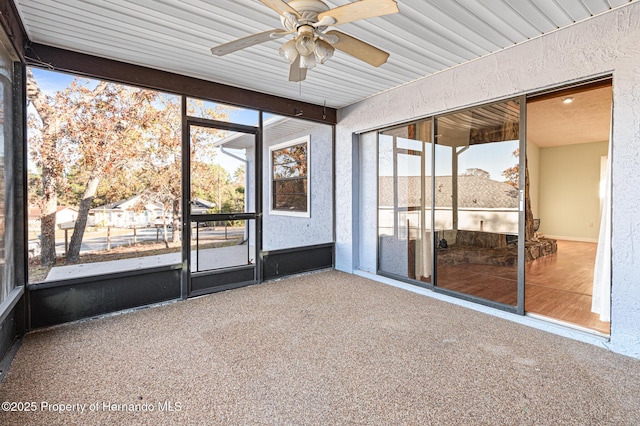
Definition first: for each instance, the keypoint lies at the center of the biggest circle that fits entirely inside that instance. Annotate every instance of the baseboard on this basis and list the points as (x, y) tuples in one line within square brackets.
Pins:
[(577, 239), (286, 262)]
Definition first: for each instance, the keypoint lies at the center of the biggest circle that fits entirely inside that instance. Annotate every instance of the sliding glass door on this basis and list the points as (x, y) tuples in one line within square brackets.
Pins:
[(404, 206), (478, 202), (451, 204)]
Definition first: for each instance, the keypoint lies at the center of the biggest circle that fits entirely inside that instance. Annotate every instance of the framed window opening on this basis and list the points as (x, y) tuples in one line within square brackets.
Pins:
[(290, 194)]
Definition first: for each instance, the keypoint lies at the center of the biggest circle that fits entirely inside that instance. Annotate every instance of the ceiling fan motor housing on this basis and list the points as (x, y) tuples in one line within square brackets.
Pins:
[(308, 10)]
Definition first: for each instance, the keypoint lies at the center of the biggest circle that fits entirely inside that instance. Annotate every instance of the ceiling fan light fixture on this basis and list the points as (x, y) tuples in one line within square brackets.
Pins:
[(323, 51), (305, 42), (308, 61), (289, 51), (307, 21)]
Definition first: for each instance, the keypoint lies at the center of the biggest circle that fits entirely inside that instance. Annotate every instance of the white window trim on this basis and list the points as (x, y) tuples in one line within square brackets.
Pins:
[(305, 139)]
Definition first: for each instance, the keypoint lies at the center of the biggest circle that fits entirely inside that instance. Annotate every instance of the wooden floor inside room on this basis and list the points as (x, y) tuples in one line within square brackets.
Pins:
[(558, 286), (496, 283)]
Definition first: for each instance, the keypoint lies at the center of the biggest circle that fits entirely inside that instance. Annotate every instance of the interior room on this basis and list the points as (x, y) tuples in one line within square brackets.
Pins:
[(568, 144)]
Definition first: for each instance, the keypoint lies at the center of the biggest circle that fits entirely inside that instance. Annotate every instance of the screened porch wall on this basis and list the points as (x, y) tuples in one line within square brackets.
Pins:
[(282, 231)]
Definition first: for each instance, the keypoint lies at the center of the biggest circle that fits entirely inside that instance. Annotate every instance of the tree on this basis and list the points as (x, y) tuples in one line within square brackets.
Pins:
[(512, 174), (49, 127), (239, 180), (85, 133), (120, 184), (209, 179), (477, 172), (103, 133), (128, 139), (529, 225), (160, 163), (161, 159)]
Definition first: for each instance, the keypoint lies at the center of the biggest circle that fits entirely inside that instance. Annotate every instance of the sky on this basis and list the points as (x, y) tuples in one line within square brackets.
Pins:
[(493, 158), (53, 81), (50, 82)]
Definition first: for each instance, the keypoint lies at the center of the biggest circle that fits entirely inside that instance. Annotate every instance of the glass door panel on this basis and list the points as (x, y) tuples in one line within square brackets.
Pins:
[(218, 244), (221, 205), (477, 202), (221, 175), (404, 177)]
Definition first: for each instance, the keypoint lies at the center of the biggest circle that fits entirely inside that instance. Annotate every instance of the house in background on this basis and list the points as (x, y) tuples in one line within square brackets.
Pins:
[(201, 206), (132, 212), (64, 214), (139, 212), (65, 218)]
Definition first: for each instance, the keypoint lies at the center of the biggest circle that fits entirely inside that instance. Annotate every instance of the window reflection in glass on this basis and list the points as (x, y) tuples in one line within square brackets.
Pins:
[(289, 173), (477, 202)]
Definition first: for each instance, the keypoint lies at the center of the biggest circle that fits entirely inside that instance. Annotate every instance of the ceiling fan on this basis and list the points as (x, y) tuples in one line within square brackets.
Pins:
[(312, 43)]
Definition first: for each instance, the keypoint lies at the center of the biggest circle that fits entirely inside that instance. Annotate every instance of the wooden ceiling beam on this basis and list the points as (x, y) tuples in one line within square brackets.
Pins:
[(12, 26), (107, 69)]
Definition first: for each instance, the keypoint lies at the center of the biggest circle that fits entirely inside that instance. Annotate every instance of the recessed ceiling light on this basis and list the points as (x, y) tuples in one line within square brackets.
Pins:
[(567, 100)]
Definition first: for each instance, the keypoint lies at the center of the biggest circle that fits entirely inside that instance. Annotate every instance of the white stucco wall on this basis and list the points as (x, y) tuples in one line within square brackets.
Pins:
[(368, 202), (608, 43), (280, 232)]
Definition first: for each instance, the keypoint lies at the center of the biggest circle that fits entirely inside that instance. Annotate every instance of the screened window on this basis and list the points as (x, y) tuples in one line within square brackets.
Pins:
[(107, 188), (290, 177), (221, 112), (7, 207)]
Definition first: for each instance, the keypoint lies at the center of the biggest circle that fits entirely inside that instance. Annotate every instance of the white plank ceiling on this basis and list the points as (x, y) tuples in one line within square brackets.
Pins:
[(427, 36)]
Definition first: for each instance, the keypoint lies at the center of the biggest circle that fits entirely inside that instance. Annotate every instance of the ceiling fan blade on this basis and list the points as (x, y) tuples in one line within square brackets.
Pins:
[(248, 41), (295, 72), (280, 6), (363, 9), (359, 49)]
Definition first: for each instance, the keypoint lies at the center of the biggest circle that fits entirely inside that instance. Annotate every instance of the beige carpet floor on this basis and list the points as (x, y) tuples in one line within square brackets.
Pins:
[(326, 348)]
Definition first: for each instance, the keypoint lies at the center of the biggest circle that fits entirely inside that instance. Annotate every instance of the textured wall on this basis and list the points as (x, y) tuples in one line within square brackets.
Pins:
[(288, 231), (608, 43), (368, 200)]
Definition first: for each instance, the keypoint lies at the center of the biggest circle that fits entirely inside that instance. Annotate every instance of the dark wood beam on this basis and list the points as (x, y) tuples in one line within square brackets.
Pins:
[(122, 72), (12, 26)]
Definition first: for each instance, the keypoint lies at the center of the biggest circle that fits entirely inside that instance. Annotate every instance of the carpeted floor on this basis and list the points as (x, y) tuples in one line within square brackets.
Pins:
[(325, 348)]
